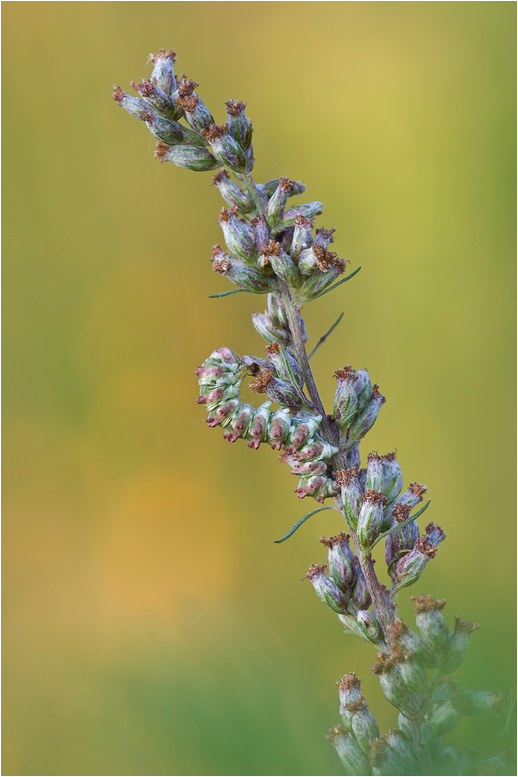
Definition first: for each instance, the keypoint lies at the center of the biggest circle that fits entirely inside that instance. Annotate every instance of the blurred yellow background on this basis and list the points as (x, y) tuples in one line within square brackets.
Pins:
[(151, 626)]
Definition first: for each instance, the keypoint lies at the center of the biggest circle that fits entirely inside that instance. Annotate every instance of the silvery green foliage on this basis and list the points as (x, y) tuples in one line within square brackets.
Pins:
[(273, 249)]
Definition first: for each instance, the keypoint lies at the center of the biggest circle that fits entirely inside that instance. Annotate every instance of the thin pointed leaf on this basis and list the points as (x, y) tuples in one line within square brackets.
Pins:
[(400, 525), (302, 520), (324, 338), (226, 293), (336, 285)]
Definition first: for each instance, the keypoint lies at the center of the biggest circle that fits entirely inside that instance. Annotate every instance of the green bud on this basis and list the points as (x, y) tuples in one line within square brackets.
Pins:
[(198, 159), (171, 132), (411, 566), (361, 594), (326, 589), (369, 626), (413, 674), (238, 125), (362, 723), (231, 192), (272, 254), (371, 521), (353, 758), (243, 276), (458, 643), (431, 624), (392, 477), (285, 365), (365, 420), (196, 113), (346, 399), (342, 561), (135, 106), (277, 203), (401, 635), (238, 235), (374, 476), (268, 188), (265, 326), (475, 702), (158, 99), (163, 70), (302, 237), (444, 719), (391, 681), (226, 149), (351, 494), (308, 211), (444, 692)]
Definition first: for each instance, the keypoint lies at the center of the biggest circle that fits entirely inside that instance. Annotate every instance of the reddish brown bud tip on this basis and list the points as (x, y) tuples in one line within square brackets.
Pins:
[(417, 489), (261, 382), (377, 752), (285, 184), (347, 373), (349, 681), (161, 150), (330, 541), (221, 265), (397, 629), (273, 349), (219, 177), (376, 497), (316, 570), (344, 476), (235, 107), (376, 393), (300, 221), (401, 512), (425, 603), (327, 234), (118, 94), (271, 249), (186, 87), (171, 54), (214, 131), (424, 546), (327, 259), (466, 626)]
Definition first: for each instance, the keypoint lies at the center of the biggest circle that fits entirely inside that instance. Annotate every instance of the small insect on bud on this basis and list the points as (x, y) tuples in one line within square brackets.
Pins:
[(163, 70), (326, 589), (342, 561), (196, 113), (171, 132), (233, 195), (272, 254), (371, 522), (353, 500), (238, 235), (308, 211), (369, 626), (349, 751), (411, 566), (302, 237), (277, 203), (361, 594), (239, 127), (226, 149), (243, 276), (431, 624), (458, 643), (198, 159), (346, 400)]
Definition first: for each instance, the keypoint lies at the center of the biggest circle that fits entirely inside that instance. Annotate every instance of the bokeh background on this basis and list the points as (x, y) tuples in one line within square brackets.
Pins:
[(151, 626)]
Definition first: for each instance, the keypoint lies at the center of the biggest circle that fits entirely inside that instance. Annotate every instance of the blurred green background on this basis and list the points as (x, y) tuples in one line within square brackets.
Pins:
[(151, 626)]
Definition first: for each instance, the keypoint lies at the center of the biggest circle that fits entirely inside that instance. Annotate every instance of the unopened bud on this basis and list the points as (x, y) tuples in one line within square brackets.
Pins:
[(264, 325), (277, 390), (261, 233), (371, 522), (391, 681), (369, 626), (475, 702), (363, 388), (445, 691), (435, 534), (458, 643), (308, 211), (257, 431), (160, 101), (392, 477), (196, 113), (401, 635), (341, 559), (285, 364), (402, 748), (411, 566), (277, 203), (272, 254), (413, 674), (348, 481), (136, 106), (280, 425), (349, 751), (163, 70), (346, 400), (318, 282), (402, 541), (172, 133), (302, 237), (374, 474), (238, 234), (267, 189), (444, 719), (431, 624), (361, 722), (326, 589), (233, 195), (243, 276), (198, 159), (365, 420), (361, 594), (227, 149), (238, 125)]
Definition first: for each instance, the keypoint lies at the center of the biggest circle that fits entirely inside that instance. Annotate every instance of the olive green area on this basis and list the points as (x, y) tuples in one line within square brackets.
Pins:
[(151, 625)]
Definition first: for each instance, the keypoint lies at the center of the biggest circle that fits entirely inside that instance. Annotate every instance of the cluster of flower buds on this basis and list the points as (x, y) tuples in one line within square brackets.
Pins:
[(356, 407), (220, 380)]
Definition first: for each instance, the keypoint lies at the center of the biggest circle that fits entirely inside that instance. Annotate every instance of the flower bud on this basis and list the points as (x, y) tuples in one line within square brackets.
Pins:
[(257, 431), (475, 702), (369, 626), (277, 390), (346, 400), (391, 681), (361, 594), (239, 423), (400, 542), (371, 522), (431, 624), (317, 282), (277, 203), (272, 254), (405, 726), (135, 106), (326, 589), (318, 257), (362, 723), (265, 327), (352, 459), (198, 159), (171, 132), (458, 643), (443, 719), (279, 430), (342, 561), (158, 99), (302, 237), (402, 748), (411, 566), (163, 71), (414, 676), (435, 534), (348, 692), (267, 189), (302, 429), (353, 499), (324, 237), (239, 127), (196, 113), (238, 234), (401, 635), (374, 474), (286, 366), (226, 148), (365, 420), (363, 388), (383, 759), (233, 195), (350, 753), (261, 232), (308, 211), (445, 691), (243, 276), (392, 477)]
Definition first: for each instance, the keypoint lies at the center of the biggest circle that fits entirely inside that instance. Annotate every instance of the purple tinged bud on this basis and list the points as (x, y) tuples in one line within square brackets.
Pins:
[(233, 195), (243, 276), (171, 132), (308, 211), (369, 626), (267, 189), (272, 254), (342, 561), (349, 751), (363, 422), (198, 159), (196, 113), (392, 477), (326, 589), (278, 390), (158, 99), (374, 475), (136, 106), (226, 149), (316, 283), (458, 643), (324, 237), (361, 594), (371, 521), (348, 481), (302, 237), (411, 566), (363, 388), (431, 624), (277, 203), (435, 534), (266, 328), (352, 458), (346, 400), (239, 127), (286, 366), (163, 70), (238, 234)]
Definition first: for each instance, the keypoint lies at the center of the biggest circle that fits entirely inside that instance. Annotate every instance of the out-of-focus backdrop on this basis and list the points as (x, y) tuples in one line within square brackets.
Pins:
[(151, 626)]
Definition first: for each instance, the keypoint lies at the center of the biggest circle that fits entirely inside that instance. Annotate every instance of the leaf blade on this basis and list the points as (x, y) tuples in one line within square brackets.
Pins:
[(299, 523)]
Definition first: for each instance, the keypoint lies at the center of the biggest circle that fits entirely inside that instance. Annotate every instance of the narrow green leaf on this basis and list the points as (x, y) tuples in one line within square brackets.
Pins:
[(336, 285), (324, 338), (302, 520), (400, 525), (226, 293)]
